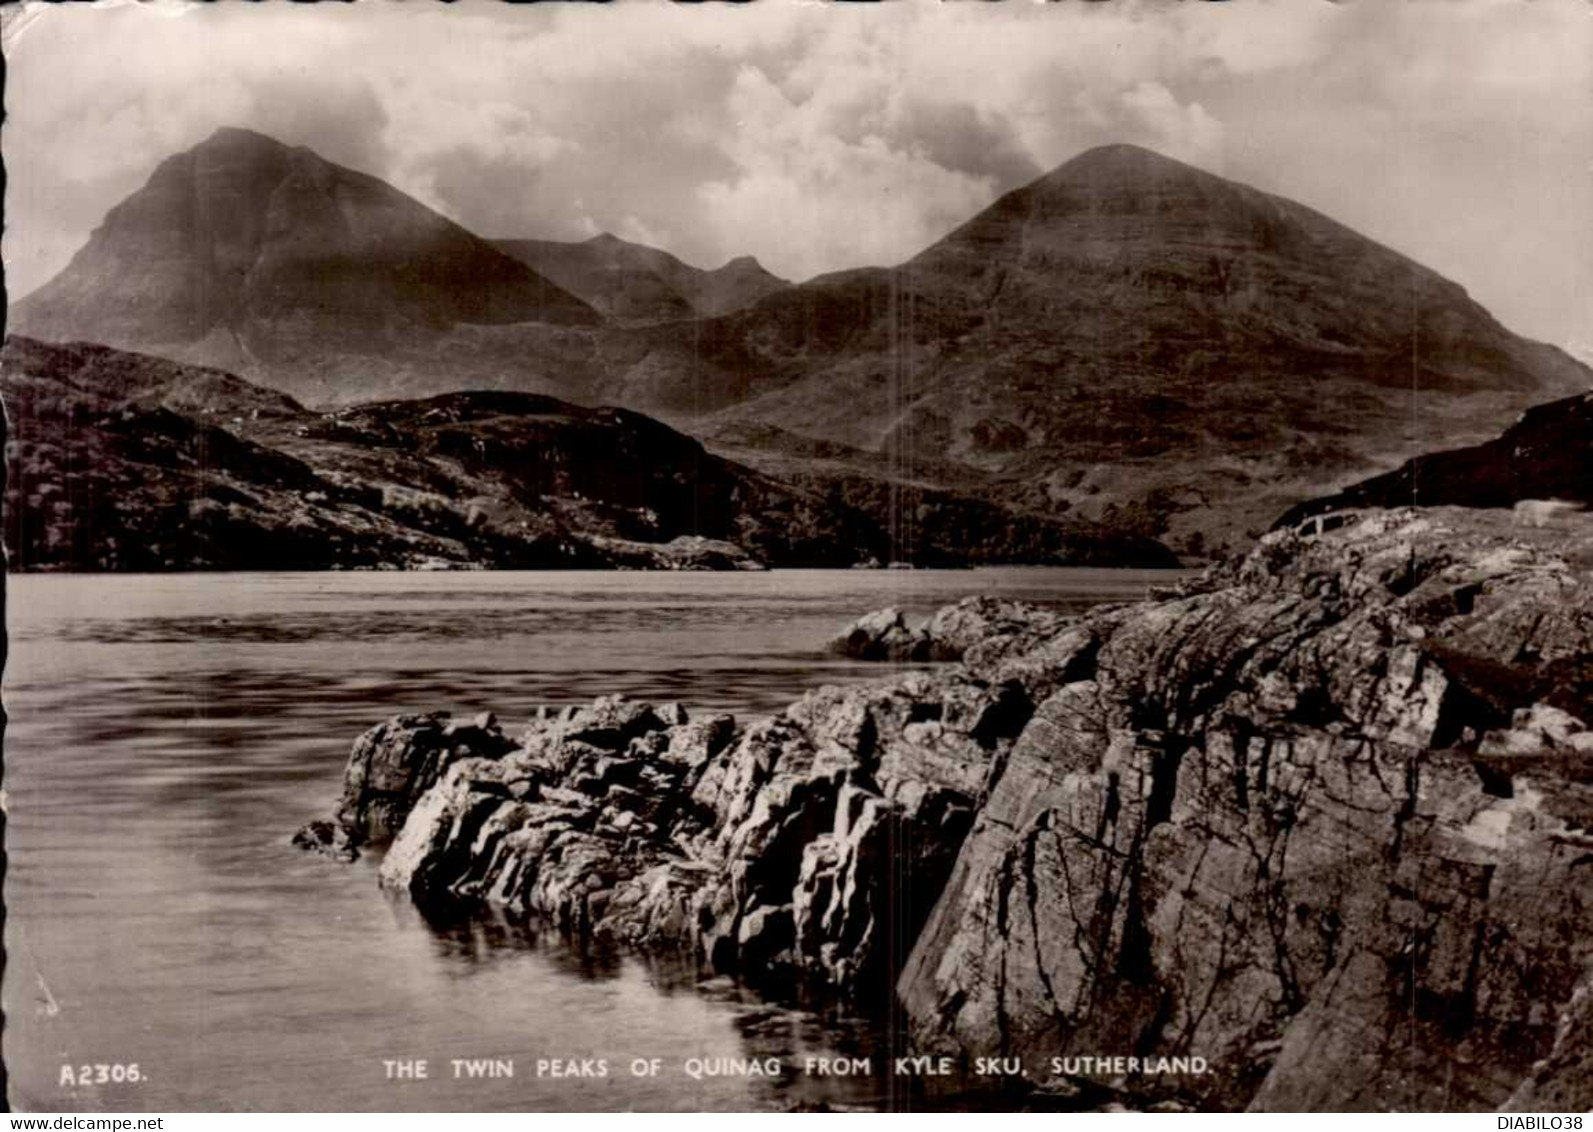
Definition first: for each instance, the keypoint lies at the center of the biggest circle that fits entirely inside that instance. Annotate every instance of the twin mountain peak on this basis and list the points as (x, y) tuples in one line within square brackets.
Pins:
[(1127, 338)]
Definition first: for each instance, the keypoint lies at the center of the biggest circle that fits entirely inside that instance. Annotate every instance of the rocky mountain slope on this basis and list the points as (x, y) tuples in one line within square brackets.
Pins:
[(634, 284), (1127, 333), (122, 461), (119, 461), (249, 254), (1546, 455), (1317, 825), (1127, 339)]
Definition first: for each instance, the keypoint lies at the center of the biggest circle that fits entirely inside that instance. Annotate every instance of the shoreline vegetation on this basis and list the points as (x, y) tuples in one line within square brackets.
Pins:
[(1319, 816)]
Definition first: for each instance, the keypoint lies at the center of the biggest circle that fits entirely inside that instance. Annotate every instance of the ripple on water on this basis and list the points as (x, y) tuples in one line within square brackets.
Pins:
[(168, 734)]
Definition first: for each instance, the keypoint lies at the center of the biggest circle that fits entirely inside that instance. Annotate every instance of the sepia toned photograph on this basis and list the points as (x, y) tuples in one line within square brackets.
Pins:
[(919, 556)]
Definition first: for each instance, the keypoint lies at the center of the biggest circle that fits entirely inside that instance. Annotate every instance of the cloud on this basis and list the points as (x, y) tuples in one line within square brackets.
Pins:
[(339, 115), (961, 138), (487, 169), (1179, 129), (824, 136), (794, 176)]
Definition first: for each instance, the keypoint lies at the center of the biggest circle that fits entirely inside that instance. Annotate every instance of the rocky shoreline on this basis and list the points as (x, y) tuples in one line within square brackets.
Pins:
[(1321, 818)]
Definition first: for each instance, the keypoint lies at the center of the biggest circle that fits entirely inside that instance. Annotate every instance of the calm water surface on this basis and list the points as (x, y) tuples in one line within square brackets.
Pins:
[(169, 733)]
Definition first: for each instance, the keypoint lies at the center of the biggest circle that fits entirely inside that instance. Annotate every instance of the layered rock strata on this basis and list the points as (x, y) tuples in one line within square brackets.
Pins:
[(1321, 819)]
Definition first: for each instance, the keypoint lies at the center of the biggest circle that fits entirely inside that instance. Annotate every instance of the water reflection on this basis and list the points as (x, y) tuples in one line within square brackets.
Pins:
[(167, 735)]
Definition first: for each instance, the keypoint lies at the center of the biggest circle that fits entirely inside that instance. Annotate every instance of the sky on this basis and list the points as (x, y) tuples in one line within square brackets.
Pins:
[(818, 135)]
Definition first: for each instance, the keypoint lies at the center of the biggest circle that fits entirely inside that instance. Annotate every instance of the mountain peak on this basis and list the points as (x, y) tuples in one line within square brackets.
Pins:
[(1121, 165), (245, 239), (240, 148), (1123, 153), (240, 135), (1116, 200)]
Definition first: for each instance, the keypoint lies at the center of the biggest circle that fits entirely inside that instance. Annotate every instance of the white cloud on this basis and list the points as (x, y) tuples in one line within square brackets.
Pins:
[(820, 136), (1182, 130), (795, 176)]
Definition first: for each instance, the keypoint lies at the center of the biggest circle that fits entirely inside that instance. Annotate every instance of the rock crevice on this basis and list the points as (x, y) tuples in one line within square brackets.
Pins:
[(1319, 818)]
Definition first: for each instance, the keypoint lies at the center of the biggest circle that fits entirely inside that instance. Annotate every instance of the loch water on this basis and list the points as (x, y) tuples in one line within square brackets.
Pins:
[(167, 734)]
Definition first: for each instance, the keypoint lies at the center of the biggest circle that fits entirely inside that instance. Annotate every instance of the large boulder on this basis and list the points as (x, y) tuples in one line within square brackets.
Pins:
[(981, 630), (396, 762), (880, 635)]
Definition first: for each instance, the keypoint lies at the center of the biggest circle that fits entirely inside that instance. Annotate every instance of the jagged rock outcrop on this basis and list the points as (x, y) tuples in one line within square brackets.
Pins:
[(1321, 818), (1279, 828), (771, 846), (978, 629), (880, 635)]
